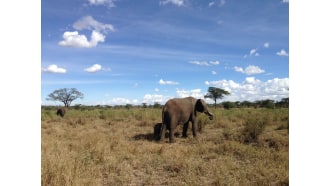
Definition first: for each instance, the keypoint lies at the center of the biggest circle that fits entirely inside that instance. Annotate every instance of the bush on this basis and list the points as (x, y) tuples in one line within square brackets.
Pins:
[(228, 105), (252, 129), (201, 122)]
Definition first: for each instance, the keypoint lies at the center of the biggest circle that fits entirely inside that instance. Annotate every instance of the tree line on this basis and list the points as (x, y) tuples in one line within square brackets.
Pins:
[(68, 95)]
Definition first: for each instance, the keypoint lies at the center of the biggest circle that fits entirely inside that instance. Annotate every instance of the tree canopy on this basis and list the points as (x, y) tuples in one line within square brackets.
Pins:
[(216, 93), (65, 95)]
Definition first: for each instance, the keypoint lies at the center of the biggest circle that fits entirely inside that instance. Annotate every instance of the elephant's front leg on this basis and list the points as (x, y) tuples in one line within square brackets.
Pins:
[(194, 128), (185, 128)]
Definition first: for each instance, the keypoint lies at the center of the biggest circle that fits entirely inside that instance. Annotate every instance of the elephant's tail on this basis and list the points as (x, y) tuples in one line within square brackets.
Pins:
[(165, 117), (164, 113)]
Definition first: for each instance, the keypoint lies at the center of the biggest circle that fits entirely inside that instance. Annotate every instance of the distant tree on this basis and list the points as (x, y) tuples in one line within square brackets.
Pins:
[(157, 105), (283, 103), (65, 95), (144, 105), (216, 93), (228, 104), (246, 104), (237, 104), (268, 103), (128, 106)]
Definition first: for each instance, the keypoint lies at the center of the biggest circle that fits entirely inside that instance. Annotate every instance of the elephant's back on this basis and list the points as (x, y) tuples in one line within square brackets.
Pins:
[(178, 107), (179, 102)]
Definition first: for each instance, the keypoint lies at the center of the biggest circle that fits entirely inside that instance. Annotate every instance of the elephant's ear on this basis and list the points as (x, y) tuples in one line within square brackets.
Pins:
[(199, 106)]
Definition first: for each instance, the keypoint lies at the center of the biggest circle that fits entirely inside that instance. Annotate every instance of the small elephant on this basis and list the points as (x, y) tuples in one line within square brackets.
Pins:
[(157, 130), (60, 112), (182, 111)]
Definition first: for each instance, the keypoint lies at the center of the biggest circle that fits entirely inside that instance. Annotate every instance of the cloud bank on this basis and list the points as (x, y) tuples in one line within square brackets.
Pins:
[(74, 39), (252, 89)]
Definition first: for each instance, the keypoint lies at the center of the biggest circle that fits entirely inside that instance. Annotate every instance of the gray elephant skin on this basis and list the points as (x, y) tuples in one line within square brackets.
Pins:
[(60, 112), (182, 111)]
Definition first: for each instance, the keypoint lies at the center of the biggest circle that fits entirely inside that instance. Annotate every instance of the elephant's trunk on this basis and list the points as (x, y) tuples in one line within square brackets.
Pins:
[(210, 115)]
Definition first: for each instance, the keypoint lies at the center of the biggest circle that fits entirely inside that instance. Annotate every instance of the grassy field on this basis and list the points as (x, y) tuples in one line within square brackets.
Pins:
[(107, 146)]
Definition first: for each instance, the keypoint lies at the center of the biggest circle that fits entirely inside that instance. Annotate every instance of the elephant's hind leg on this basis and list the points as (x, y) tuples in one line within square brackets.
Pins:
[(172, 130), (185, 129)]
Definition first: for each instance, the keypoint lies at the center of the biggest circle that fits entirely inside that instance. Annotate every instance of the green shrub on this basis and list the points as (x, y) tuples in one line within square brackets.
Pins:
[(201, 122), (252, 129), (228, 105)]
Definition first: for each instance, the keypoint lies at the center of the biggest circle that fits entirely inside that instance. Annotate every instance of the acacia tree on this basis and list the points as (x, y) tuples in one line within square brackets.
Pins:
[(65, 95), (216, 93)]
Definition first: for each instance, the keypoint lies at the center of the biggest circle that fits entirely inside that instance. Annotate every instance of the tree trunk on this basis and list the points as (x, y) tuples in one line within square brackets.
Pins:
[(215, 103)]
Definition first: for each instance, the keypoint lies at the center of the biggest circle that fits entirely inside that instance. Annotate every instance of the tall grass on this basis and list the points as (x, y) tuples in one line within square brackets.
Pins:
[(106, 146)]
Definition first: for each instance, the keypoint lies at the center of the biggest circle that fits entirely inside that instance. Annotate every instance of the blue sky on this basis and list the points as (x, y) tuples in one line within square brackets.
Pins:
[(146, 51)]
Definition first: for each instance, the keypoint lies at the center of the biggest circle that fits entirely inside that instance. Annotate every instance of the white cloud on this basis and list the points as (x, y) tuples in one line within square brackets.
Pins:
[(249, 70), (214, 62), (266, 45), (196, 93), (205, 63), (282, 53), (89, 23), (122, 101), (221, 3), (253, 51), (252, 89), (180, 93), (227, 85), (214, 72), (73, 39), (276, 86), (153, 98), (156, 90), (211, 3), (94, 68), (110, 3), (162, 82), (201, 63), (285, 1), (174, 2), (239, 69), (54, 69), (251, 80)]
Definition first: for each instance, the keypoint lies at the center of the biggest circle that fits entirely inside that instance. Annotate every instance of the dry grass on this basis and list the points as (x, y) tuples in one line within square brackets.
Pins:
[(116, 147)]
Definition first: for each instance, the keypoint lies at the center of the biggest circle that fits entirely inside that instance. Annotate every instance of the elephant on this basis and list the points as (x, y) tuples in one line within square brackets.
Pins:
[(182, 111), (60, 112), (157, 129)]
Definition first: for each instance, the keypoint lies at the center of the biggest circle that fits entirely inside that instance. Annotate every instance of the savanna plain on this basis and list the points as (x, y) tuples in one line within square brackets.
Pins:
[(116, 146)]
